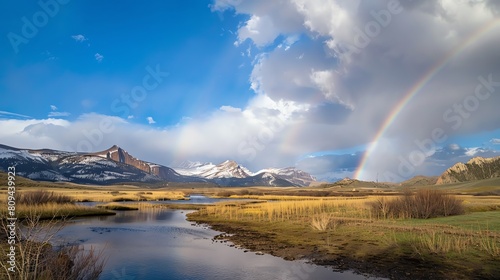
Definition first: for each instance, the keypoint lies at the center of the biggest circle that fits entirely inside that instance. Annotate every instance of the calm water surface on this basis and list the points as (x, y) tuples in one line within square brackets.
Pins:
[(161, 244)]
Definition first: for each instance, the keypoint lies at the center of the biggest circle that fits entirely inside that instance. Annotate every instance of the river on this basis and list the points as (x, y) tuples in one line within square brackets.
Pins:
[(160, 244)]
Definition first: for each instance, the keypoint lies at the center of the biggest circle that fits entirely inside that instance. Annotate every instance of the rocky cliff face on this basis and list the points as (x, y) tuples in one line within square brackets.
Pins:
[(111, 166), (477, 168), (118, 154)]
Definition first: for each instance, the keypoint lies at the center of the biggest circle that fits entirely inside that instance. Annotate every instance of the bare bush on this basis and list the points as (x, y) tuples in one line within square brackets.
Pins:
[(37, 257), (424, 204), (321, 222)]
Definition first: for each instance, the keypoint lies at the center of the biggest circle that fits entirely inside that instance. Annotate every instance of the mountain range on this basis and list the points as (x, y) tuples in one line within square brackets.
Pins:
[(115, 165)]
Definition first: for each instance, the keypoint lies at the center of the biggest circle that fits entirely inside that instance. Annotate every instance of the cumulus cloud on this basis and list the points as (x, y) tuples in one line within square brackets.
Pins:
[(495, 141), (253, 136), (366, 56), (53, 108)]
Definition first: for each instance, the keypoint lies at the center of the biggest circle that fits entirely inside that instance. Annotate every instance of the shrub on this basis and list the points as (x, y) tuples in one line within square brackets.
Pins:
[(41, 197), (424, 204), (225, 194)]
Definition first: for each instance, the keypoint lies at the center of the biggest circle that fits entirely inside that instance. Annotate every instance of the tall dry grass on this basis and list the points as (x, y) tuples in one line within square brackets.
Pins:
[(48, 205), (123, 195), (490, 244), (291, 210), (40, 197)]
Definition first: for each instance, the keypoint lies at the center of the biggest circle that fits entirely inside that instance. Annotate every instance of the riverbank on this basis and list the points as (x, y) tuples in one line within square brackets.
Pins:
[(457, 247)]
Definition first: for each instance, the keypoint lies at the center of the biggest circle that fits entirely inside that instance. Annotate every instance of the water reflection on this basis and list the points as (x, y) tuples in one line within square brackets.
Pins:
[(161, 244)]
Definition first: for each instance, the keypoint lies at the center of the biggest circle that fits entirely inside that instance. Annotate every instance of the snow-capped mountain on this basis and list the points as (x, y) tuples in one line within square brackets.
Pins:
[(190, 168), (228, 173), (291, 174), (227, 169), (115, 165), (107, 167)]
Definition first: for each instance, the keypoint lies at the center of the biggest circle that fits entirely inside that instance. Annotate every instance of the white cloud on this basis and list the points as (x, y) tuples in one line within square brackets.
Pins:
[(230, 109), (151, 120), (260, 29), (130, 117), (58, 114), (495, 141), (53, 108), (79, 38), (473, 151), (98, 57), (325, 81), (351, 58)]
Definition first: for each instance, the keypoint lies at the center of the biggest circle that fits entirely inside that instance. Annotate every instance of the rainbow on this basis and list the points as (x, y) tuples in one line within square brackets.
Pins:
[(415, 89)]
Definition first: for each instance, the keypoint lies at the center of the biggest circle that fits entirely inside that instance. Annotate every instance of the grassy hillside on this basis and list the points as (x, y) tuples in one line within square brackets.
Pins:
[(473, 187), (420, 181)]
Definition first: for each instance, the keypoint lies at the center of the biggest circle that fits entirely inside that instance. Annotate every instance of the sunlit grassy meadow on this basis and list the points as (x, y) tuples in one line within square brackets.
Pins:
[(456, 244)]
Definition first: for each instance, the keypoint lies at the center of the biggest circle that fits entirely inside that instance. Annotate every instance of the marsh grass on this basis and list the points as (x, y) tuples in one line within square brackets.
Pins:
[(49, 205), (119, 207), (490, 244), (123, 195), (291, 210), (440, 243), (40, 197), (55, 210)]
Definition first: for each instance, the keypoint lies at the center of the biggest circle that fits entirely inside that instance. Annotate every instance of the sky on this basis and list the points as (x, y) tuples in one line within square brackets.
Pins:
[(375, 90)]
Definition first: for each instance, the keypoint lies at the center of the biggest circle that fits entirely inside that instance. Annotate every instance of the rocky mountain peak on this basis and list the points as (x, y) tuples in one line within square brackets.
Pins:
[(477, 168)]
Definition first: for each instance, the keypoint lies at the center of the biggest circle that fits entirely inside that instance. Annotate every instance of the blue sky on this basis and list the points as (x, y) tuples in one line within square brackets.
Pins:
[(267, 83), (186, 39)]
